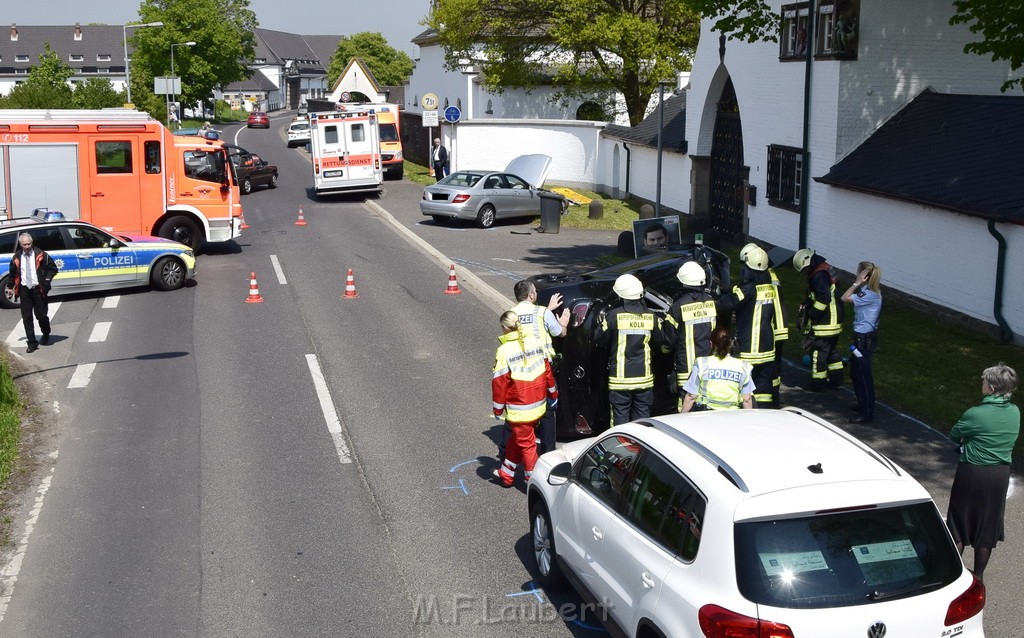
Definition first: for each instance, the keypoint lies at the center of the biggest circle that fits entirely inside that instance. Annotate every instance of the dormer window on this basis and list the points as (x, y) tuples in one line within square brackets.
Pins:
[(103, 57), (76, 57), (21, 58)]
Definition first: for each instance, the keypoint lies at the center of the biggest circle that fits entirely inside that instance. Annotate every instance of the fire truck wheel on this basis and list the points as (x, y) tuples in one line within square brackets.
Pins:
[(182, 230), (168, 274), (7, 299)]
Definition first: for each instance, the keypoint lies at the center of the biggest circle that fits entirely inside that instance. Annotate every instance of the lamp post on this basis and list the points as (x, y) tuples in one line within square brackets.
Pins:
[(174, 94), (127, 75), (661, 127)]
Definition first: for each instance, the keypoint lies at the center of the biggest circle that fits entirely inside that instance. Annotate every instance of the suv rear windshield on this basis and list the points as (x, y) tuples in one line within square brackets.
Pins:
[(845, 558)]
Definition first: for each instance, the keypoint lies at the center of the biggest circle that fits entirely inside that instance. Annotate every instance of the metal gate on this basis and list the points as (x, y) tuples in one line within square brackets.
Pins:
[(727, 170)]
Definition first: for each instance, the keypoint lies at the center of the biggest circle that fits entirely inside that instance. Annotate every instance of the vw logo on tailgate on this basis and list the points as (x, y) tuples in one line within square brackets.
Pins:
[(877, 630)]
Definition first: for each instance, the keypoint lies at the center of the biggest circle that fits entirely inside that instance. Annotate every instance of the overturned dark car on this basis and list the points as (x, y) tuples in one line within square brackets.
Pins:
[(581, 367)]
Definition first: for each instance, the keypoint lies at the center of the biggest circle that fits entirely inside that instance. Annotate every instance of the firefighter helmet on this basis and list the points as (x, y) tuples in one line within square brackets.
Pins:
[(757, 259), (802, 258), (628, 287), (746, 251), (691, 274)]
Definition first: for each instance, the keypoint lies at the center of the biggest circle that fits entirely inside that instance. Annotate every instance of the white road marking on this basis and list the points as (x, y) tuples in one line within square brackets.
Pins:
[(100, 331), (327, 407), (9, 574), (111, 302), (17, 335), (278, 270), (83, 373)]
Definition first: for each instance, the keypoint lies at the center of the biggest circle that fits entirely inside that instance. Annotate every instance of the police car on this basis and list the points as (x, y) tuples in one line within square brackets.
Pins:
[(91, 259)]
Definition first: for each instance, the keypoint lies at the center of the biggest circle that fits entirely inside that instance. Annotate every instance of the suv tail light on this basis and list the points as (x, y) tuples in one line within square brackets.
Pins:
[(718, 622), (461, 197), (968, 604)]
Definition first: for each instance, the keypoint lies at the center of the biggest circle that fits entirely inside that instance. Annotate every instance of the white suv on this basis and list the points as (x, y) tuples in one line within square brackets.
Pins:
[(298, 133), (747, 523)]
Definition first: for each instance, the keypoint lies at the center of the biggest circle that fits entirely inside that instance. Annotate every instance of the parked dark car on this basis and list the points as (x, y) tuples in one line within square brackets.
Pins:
[(251, 170), (580, 366), (258, 119)]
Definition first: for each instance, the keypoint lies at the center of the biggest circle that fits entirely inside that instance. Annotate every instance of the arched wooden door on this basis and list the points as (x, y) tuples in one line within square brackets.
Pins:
[(727, 170)]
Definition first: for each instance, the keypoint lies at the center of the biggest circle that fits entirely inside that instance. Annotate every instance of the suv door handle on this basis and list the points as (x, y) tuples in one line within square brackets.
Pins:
[(648, 580), (598, 534)]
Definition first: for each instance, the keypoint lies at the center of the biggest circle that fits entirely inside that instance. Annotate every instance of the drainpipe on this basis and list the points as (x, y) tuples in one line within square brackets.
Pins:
[(626, 146), (997, 304), (805, 177)]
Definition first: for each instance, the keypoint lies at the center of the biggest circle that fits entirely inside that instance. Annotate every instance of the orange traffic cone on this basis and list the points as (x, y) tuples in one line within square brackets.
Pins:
[(301, 221), (453, 283), (350, 285), (243, 225), (254, 291)]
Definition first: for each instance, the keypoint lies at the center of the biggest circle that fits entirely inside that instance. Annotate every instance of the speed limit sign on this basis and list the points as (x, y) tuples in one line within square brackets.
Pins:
[(429, 101)]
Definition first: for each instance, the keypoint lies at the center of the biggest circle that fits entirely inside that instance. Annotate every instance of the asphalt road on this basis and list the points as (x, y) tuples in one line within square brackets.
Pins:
[(313, 465)]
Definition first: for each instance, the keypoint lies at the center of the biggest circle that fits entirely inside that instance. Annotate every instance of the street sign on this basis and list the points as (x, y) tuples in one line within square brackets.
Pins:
[(430, 118), (429, 102), (452, 114), (346, 96)]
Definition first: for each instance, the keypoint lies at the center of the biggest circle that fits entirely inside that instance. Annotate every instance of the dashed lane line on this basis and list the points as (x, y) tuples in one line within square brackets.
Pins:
[(100, 331), (327, 407)]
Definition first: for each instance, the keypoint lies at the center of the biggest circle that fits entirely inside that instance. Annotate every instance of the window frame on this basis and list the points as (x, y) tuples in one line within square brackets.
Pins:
[(776, 187)]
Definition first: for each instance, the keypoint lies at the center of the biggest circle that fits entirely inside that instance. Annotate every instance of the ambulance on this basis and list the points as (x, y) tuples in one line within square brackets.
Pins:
[(389, 122), (118, 169), (345, 150)]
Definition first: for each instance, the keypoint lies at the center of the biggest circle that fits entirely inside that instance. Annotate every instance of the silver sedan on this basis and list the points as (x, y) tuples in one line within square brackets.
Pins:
[(486, 196)]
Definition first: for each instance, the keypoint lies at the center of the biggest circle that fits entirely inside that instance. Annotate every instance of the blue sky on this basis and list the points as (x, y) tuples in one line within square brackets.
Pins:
[(397, 20)]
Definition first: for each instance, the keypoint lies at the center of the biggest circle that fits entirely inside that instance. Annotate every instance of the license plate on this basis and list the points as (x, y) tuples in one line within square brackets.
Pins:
[(333, 173)]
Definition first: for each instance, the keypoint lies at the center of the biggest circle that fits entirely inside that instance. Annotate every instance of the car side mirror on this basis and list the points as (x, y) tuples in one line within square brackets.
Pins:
[(559, 474)]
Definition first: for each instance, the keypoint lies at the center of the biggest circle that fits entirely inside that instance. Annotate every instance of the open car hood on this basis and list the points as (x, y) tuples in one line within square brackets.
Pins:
[(533, 168)]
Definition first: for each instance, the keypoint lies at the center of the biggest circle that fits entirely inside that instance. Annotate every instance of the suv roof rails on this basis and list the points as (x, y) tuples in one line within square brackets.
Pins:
[(724, 468), (863, 447)]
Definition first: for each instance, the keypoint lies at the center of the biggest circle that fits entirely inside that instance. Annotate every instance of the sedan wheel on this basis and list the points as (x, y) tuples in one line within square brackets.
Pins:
[(246, 186), (168, 274), (273, 180), (7, 298), (485, 218), (542, 537)]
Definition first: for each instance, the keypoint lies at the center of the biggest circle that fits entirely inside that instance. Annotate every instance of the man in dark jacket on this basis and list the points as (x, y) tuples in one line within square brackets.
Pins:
[(823, 322), (631, 331), (439, 159), (31, 272), (754, 303)]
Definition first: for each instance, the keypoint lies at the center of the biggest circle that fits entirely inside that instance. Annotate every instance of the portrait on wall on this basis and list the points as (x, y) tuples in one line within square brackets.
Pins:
[(658, 233)]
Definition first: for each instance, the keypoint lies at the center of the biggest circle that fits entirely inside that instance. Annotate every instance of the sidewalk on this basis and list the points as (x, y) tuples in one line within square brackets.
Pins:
[(491, 261)]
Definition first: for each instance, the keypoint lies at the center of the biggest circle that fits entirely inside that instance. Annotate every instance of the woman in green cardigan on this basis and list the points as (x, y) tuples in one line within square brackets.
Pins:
[(986, 434)]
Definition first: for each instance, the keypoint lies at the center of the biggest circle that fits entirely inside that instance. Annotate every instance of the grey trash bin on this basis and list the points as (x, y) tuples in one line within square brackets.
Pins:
[(551, 205)]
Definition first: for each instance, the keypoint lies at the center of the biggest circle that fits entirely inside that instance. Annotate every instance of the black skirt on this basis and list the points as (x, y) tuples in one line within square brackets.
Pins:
[(977, 504)]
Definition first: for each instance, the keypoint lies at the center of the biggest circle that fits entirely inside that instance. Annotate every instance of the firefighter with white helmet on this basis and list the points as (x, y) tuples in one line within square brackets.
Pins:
[(821, 318), (630, 330), (753, 300), (686, 330)]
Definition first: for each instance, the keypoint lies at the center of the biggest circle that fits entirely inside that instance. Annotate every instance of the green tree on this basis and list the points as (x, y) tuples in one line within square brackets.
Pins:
[(583, 47), (1001, 25), (389, 66), (97, 93), (223, 31), (47, 85)]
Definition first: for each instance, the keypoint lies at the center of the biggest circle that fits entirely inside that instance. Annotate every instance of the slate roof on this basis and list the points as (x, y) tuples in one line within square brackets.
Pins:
[(673, 136), (96, 40), (962, 153), (278, 47), (323, 46), (257, 82)]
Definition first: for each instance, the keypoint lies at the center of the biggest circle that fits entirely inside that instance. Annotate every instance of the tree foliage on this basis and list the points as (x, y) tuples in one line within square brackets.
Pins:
[(224, 33), (583, 47), (1001, 25), (46, 87), (97, 93), (390, 67)]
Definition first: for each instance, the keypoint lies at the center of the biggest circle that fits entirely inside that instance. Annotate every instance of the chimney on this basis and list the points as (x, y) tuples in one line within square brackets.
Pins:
[(78, 32), (14, 32)]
